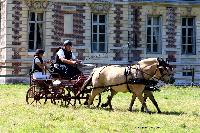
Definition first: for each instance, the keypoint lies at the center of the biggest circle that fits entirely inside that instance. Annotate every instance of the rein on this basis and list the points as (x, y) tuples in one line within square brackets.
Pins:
[(136, 80)]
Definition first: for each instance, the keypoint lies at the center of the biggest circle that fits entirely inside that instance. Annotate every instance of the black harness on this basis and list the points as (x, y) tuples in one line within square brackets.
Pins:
[(133, 80)]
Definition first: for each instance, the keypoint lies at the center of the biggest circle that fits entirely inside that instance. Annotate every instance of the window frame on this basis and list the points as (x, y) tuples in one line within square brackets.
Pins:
[(98, 33), (193, 37), (152, 26), (187, 73), (35, 30)]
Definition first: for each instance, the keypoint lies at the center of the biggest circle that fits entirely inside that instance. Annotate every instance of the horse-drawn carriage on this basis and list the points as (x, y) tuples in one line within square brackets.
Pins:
[(118, 79), (58, 89)]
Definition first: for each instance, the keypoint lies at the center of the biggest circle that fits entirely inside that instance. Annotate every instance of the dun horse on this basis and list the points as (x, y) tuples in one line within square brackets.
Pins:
[(119, 79)]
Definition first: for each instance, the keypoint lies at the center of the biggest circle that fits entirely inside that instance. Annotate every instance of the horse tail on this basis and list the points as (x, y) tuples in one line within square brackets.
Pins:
[(85, 84)]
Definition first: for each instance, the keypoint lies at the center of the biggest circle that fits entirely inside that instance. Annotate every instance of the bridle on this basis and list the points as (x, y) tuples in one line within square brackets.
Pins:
[(163, 64)]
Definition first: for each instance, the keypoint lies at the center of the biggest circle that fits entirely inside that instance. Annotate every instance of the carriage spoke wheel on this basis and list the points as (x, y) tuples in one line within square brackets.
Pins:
[(31, 94), (66, 99), (35, 95), (57, 95)]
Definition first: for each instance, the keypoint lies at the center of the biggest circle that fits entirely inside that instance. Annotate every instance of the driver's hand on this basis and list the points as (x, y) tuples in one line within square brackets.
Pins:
[(78, 61), (73, 62)]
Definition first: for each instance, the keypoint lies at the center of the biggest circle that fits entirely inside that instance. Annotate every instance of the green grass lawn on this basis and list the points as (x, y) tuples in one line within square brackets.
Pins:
[(180, 107)]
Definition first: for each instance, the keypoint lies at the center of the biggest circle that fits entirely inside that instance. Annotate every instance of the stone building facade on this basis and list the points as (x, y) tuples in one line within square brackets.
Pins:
[(102, 31)]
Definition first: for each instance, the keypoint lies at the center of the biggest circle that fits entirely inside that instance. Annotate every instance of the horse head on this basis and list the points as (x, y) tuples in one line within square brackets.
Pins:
[(157, 68), (165, 71)]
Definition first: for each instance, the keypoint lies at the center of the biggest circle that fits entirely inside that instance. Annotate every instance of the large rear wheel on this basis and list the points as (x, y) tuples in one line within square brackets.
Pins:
[(35, 95)]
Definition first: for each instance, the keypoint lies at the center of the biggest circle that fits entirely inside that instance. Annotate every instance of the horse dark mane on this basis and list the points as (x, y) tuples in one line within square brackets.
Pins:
[(164, 63)]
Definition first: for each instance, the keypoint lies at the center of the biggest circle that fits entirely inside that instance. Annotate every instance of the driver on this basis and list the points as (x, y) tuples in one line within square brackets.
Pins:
[(66, 61)]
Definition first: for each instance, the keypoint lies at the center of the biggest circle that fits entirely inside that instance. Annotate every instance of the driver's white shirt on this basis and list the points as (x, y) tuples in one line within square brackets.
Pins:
[(60, 54)]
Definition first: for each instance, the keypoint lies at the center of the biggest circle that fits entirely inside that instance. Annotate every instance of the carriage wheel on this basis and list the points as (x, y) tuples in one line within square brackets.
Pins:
[(66, 99), (57, 95), (34, 94), (31, 94)]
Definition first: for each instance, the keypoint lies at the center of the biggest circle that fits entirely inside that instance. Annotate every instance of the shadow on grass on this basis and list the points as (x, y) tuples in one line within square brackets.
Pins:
[(126, 110), (137, 110), (169, 113)]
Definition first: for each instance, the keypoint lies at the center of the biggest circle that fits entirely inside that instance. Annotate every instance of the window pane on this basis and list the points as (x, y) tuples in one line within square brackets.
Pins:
[(156, 21), (94, 46), (149, 20), (39, 36), (31, 36), (183, 21), (149, 31), (155, 39), (40, 16), (148, 39), (32, 27), (190, 21), (183, 49), (102, 38), (102, 19), (190, 40), (155, 47), (184, 32), (31, 45), (94, 28), (32, 16), (190, 31), (156, 31), (94, 38), (101, 28), (190, 49), (101, 47), (183, 40), (94, 18), (148, 47)]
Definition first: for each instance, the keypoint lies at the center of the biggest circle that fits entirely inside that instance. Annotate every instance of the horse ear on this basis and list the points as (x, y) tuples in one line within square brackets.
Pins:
[(160, 60)]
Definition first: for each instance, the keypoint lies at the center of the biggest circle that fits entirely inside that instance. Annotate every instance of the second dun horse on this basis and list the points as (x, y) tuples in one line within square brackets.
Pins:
[(132, 79)]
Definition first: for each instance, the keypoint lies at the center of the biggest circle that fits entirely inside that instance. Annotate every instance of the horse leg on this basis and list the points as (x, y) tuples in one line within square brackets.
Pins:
[(145, 99), (113, 92), (132, 102), (93, 94), (153, 100), (140, 97)]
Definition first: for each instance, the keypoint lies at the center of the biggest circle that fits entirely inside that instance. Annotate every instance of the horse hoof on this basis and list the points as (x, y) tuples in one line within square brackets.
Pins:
[(104, 105), (130, 110), (85, 103)]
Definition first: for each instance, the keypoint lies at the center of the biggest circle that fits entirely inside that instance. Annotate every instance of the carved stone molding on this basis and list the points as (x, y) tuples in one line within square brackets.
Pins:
[(100, 7), (38, 4), (189, 10)]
